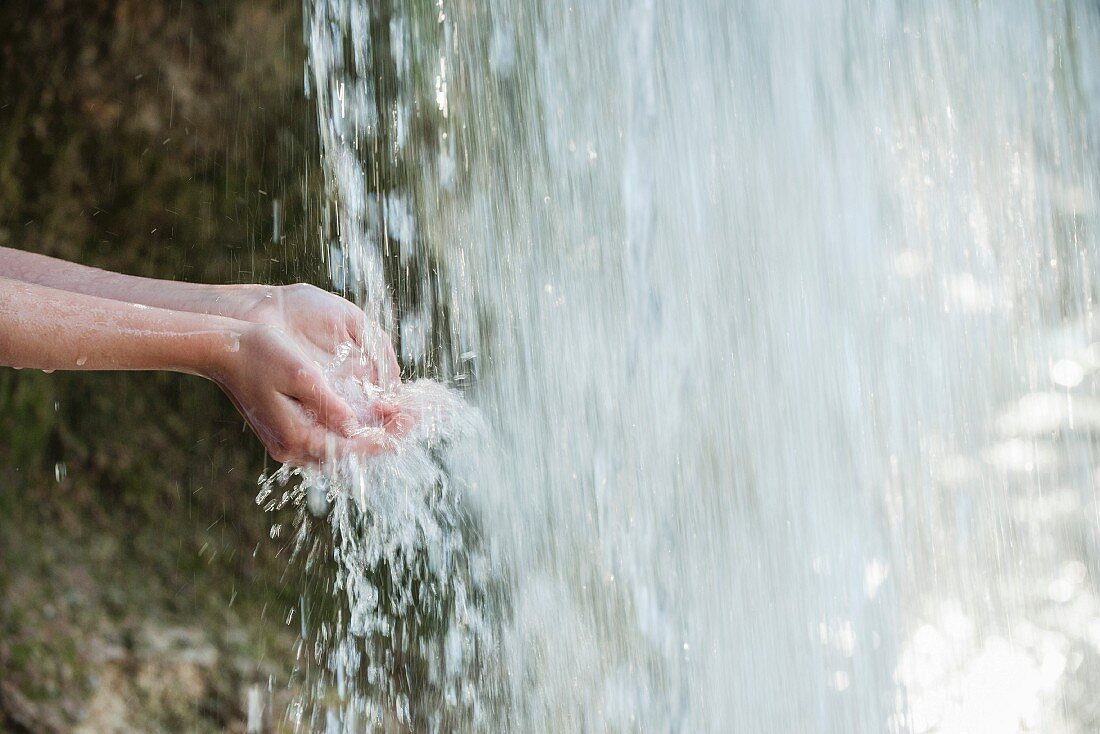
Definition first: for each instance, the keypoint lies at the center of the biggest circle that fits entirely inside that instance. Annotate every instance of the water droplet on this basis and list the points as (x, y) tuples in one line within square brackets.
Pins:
[(60, 471), (1067, 373), (81, 361)]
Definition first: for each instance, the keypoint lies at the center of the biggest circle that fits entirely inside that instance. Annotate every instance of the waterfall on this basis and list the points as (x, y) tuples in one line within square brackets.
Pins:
[(779, 315)]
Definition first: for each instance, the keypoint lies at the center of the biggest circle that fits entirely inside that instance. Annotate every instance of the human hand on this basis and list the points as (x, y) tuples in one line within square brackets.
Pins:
[(284, 396), (321, 323)]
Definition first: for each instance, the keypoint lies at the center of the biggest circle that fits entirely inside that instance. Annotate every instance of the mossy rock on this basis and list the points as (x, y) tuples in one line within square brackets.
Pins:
[(151, 138)]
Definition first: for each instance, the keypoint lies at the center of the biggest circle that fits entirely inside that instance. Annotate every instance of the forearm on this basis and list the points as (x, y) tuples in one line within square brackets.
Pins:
[(220, 300), (50, 329)]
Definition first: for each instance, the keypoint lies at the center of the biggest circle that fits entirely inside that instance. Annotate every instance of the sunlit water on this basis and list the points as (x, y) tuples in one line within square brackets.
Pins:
[(779, 316), (411, 583)]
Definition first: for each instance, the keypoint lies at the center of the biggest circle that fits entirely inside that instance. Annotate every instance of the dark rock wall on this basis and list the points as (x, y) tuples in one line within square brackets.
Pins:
[(139, 589)]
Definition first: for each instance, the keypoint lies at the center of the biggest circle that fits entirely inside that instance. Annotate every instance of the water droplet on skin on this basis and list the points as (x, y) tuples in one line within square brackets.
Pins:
[(48, 372), (81, 361)]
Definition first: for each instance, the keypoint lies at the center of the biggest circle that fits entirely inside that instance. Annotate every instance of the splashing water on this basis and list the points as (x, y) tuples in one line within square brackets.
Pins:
[(409, 577), (780, 315)]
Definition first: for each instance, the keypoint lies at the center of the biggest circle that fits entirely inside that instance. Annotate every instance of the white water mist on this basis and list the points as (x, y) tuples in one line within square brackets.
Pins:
[(781, 318)]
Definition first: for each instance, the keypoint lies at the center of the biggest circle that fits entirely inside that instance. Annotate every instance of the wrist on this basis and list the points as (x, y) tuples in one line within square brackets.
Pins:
[(253, 303), (218, 354), (240, 302)]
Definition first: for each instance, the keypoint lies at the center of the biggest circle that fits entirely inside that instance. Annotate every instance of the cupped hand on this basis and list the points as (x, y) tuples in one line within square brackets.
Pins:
[(283, 394), (321, 323)]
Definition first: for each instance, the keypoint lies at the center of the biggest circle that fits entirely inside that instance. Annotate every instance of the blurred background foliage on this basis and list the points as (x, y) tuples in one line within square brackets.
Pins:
[(139, 590)]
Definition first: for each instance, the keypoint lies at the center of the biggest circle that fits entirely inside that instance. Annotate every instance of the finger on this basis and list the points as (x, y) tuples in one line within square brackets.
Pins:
[(392, 417), (392, 369), (269, 435), (328, 408), (319, 445), (357, 366), (369, 442), (398, 424), (315, 445), (372, 342), (311, 443), (380, 348), (364, 367), (356, 324), (288, 433), (319, 355), (382, 410)]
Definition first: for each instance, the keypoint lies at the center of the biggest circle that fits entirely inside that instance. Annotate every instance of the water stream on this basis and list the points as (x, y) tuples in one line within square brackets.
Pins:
[(779, 319)]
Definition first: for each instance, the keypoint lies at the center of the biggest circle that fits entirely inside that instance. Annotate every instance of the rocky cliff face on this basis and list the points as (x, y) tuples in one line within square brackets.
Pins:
[(139, 590)]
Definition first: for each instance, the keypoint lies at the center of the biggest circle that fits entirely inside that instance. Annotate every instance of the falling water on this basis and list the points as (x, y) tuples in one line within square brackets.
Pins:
[(780, 317)]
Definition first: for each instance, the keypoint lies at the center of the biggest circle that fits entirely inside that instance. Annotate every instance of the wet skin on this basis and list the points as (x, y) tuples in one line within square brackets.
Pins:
[(263, 345)]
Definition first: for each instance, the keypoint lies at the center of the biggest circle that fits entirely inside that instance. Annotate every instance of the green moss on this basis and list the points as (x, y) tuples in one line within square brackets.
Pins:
[(148, 138)]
